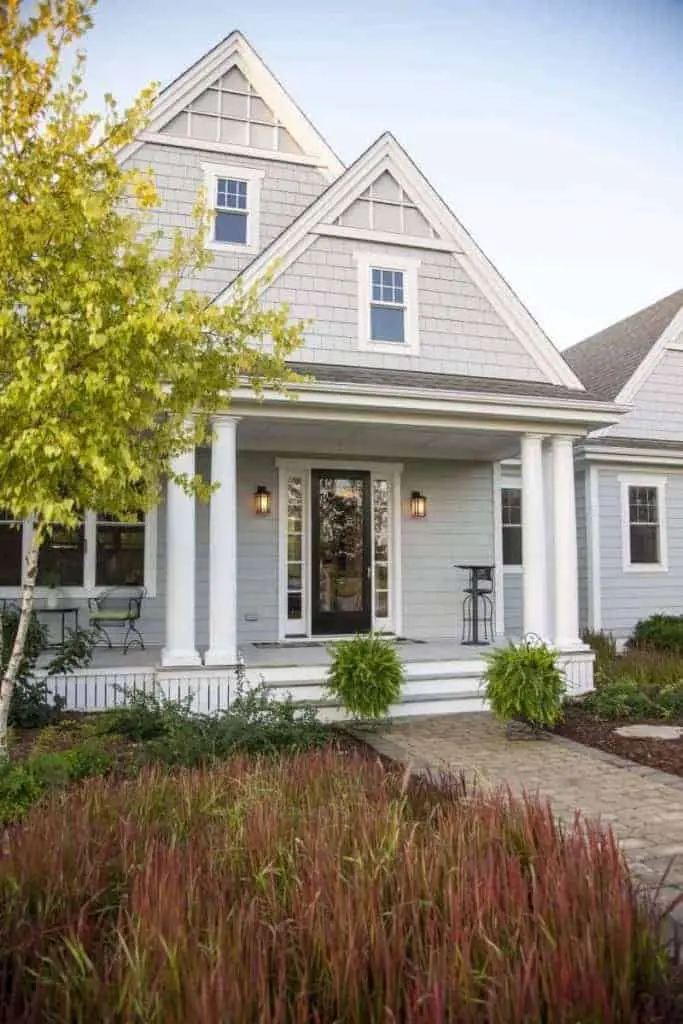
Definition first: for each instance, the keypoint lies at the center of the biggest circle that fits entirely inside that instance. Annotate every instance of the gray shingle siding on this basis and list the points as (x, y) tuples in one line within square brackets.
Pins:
[(657, 411), (460, 332), (286, 190)]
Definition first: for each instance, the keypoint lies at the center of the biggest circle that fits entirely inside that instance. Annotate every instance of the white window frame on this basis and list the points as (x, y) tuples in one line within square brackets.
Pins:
[(89, 562), (391, 471), (509, 485), (253, 178), (388, 259), (659, 484)]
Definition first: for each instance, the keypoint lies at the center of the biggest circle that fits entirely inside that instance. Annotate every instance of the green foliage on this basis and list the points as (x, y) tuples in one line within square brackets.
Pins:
[(366, 675), (31, 706), (256, 723), (659, 633), (623, 697), (603, 645), (20, 788), (523, 682)]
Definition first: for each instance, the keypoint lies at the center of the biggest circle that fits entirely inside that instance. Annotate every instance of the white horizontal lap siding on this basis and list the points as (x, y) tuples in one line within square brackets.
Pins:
[(286, 190), (514, 618), (458, 528), (630, 596), (459, 331), (657, 408)]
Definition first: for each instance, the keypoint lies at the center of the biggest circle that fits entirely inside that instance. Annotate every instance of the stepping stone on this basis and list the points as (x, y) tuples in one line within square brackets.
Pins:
[(650, 732)]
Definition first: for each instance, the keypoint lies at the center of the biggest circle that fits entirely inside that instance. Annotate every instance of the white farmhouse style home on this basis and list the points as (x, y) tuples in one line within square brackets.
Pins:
[(365, 502)]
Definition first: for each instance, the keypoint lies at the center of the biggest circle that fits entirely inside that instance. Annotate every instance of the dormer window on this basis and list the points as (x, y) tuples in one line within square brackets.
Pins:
[(233, 194), (387, 298)]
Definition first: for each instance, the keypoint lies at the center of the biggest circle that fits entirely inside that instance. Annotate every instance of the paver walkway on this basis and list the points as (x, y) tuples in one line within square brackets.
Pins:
[(644, 806)]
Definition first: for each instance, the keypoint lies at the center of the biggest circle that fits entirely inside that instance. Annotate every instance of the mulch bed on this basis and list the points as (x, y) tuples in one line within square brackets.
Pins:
[(666, 755)]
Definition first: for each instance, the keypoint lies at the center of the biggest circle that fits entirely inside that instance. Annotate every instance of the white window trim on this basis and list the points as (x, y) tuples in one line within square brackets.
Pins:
[(302, 468), (644, 480), (506, 484), (89, 589), (388, 259), (253, 178)]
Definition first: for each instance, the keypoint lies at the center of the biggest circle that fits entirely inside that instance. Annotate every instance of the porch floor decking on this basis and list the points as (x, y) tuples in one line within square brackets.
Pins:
[(295, 654)]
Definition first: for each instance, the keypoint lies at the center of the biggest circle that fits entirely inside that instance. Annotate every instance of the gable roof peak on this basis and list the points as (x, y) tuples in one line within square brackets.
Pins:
[(607, 361)]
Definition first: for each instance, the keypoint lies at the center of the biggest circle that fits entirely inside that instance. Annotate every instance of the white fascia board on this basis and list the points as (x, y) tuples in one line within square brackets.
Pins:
[(669, 338), (632, 456), (236, 51)]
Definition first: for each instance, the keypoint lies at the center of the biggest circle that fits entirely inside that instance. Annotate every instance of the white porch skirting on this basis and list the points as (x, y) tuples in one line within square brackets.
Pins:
[(432, 687)]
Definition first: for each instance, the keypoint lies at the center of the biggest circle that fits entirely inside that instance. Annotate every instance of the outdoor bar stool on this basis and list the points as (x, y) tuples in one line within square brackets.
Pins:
[(478, 605)]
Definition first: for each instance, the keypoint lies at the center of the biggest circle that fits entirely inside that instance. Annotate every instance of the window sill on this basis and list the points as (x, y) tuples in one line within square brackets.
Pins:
[(396, 348), (646, 567), (513, 570), (75, 593), (249, 248)]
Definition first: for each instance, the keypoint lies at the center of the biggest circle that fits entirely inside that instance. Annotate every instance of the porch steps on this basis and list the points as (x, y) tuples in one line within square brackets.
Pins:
[(437, 687)]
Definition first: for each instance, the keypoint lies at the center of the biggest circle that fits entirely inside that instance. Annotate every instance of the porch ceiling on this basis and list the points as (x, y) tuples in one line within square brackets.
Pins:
[(374, 440)]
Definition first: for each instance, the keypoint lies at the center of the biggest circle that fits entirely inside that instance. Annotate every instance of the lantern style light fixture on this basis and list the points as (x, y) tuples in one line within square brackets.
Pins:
[(418, 505), (262, 501)]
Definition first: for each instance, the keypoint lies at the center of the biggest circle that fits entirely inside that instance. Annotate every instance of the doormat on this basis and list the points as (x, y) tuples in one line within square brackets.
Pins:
[(289, 645)]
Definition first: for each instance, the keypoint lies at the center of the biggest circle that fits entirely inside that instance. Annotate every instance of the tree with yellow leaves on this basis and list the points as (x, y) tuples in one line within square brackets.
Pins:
[(108, 369)]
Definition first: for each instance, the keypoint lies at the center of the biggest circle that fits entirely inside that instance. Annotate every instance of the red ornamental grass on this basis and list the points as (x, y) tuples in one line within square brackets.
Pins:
[(319, 888)]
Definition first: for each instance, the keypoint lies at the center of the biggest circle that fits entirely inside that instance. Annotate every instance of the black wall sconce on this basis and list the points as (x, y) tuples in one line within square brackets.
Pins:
[(262, 501), (418, 505)]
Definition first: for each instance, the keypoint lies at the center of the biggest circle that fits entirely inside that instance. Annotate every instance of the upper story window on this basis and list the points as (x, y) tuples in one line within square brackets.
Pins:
[(387, 309), (511, 509), (231, 211), (387, 300), (643, 524), (234, 197)]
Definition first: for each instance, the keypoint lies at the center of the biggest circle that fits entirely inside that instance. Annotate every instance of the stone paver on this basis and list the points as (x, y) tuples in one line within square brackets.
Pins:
[(643, 806)]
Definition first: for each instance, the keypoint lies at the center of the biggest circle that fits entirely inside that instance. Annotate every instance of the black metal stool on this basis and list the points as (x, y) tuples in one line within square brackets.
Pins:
[(478, 605)]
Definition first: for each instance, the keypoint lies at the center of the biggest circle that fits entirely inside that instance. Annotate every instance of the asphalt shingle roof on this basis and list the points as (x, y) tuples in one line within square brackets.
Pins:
[(333, 374), (607, 360)]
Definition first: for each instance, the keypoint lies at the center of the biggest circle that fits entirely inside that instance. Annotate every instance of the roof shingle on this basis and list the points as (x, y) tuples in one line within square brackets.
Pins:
[(606, 361)]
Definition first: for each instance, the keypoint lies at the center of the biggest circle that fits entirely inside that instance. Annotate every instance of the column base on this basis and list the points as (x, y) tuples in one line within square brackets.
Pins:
[(220, 659), (180, 659)]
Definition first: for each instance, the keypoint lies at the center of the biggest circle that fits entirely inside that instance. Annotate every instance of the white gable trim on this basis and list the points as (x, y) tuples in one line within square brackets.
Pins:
[(386, 155), (226, 149), (235, 51), (670, 339)]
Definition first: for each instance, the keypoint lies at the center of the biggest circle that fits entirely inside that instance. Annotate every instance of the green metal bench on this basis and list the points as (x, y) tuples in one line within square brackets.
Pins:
[(117, 608)]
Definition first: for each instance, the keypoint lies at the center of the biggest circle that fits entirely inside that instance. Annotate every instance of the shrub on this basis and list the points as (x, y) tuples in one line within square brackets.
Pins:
[(659, 633), (340, 890), (524, 683), (366, 675), (19, 790), (31, 706), (620, 698)]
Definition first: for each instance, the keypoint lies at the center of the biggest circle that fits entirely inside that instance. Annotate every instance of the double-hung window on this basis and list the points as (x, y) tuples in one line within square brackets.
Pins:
[(387, 298), (233, 194), (643, 524), (231, 211), (511, 510), (387, 306), (10, 550), (120, 551)]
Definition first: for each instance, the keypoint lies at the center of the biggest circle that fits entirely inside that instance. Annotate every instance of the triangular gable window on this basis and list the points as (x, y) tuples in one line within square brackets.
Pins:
[(385, 206), (230, 111)]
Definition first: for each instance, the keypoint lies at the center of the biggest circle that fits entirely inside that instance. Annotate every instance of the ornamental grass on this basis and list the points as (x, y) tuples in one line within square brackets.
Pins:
[(325, 888)]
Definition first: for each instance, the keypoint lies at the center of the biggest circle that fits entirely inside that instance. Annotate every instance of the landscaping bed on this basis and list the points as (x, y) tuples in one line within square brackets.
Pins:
[(315, 887), (580, 725)]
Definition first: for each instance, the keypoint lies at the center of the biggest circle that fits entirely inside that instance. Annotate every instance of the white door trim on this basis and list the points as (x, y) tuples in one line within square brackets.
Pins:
[(390, 471)]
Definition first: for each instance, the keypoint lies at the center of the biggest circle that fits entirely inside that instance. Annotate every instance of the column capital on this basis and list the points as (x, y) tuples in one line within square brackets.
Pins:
[(224, 420), (534, 435)]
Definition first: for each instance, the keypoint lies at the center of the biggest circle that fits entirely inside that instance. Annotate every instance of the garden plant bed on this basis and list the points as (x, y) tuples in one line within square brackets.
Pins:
[(666, 755)]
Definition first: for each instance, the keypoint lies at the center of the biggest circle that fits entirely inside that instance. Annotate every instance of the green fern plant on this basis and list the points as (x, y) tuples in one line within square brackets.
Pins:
[(366, 675), (523, 683)]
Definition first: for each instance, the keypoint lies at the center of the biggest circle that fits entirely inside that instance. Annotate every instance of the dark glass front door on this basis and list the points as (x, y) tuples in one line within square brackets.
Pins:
[(340, 532)]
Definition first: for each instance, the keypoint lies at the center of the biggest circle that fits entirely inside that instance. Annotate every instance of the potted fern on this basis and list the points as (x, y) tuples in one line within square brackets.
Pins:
[(525, 688), (366, 675)]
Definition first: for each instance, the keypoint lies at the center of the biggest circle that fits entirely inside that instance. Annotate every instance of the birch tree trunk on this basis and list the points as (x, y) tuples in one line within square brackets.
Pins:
[(15, 659)]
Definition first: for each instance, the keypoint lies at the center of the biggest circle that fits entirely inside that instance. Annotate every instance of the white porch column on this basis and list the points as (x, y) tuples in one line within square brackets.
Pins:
[(566, 633), (534, 573), (548, 500), (179, 648), (223, 546)]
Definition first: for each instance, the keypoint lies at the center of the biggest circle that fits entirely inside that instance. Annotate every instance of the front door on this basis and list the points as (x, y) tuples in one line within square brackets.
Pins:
[(340, 545)]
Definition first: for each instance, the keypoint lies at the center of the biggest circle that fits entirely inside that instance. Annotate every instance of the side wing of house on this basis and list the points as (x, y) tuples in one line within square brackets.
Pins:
[(633, 470)]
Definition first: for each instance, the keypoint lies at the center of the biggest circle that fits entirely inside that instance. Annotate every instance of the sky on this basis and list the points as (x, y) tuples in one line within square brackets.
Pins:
[(552, 128)]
